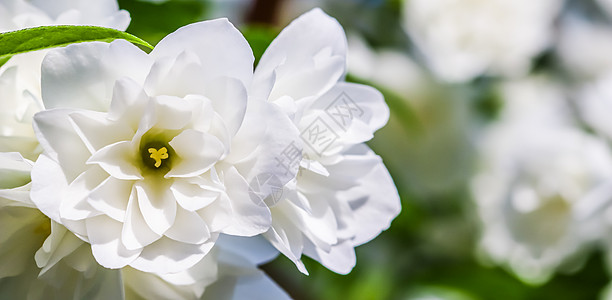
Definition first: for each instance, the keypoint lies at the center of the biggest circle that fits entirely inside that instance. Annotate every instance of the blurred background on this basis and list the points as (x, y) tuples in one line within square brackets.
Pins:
[(498, 141)]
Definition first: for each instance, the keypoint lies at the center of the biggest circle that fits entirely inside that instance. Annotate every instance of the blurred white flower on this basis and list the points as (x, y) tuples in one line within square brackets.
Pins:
[(539, 183), (584, 47), (436, 150), (148, 157), (20, 76), (462, 39), (343, 195)]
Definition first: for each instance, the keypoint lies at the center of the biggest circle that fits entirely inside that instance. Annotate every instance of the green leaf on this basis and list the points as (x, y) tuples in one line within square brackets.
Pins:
[(4, 59), (37, 38)]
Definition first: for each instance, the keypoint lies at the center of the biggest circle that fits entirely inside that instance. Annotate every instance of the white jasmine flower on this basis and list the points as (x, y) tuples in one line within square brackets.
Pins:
[(343, 195), (462, 39), (148, 157), (20, 76), (41, 259), (539, 184)]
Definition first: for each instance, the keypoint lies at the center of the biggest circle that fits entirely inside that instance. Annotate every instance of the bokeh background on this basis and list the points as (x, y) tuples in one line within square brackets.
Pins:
[(498, 141)]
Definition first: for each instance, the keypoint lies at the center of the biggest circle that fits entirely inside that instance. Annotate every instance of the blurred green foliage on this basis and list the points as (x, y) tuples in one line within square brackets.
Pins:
[(153, 21)]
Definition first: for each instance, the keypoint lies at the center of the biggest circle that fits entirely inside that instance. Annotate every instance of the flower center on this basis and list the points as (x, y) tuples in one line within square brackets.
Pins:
[(158, 155)]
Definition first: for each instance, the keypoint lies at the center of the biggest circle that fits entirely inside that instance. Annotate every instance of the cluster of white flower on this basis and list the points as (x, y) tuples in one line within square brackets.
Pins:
[(174, 174), (462, 39), (540, 183), (544, 184)]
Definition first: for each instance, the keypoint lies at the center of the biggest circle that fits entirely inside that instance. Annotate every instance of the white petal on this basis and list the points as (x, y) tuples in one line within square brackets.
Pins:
[(249, 284), (119, 160), (319, 224), (288, 239), (188, 228), (375, 201), (74, 205), (58, 138), (172, 113), (151, 286), (157, 205), (268, 143), (104, 235), (258, 286), (48, 187), (84, 75), (176, 76), (349, 104), (129, 100), (198, 152), (191, 196), (199, 276), (341, 259), (218, 214), (168, 256), (256, 250), (58, 245), (305, 59), (221, 48), (229, 98), (14, 170), (136, 234), (98, 13), (97, 131), (249, 216), (111, 197)]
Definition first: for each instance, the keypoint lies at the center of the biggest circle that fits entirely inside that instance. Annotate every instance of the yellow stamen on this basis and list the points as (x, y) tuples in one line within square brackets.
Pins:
[(158, 155)]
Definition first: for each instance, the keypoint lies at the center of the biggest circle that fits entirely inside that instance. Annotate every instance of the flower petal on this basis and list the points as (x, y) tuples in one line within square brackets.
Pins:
[(136, 234), (57, 136), (228, 96), (168, 256), (176, 76), (171, 113), (74, 205), (221, 48), (198, 152), (14, 170), (350, 105), (104, 235), (83, 75), (188, 228), (287, 238), (374, 200), (118, 160), (268, 143), (341, 259), (306, 58), (96, 131), (249, 217), (111, 197), (256, 250), (157, 205), (192, 197), (48, 187)]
